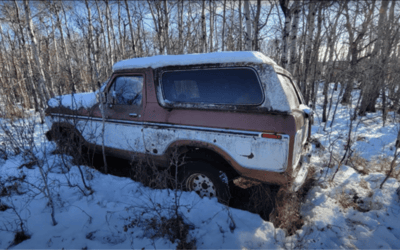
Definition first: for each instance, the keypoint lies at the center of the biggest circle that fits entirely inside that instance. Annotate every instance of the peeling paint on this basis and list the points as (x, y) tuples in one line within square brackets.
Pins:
[(250, 156), (265, 154)]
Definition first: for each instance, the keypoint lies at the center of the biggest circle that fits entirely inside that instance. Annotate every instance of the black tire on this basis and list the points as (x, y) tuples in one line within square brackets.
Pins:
[(214, 183)]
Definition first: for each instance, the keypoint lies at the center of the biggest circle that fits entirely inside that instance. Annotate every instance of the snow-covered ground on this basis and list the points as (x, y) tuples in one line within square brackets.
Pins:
[(348, 212)]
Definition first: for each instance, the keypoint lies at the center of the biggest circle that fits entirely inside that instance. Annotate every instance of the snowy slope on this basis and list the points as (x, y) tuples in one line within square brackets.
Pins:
[(348, 212)]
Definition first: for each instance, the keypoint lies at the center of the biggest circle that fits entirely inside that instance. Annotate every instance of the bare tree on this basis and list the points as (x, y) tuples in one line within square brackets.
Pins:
[(248, 33), (130, 23), (203, 28), (38, 63), (356, 36), (285, 33), (293, 36)]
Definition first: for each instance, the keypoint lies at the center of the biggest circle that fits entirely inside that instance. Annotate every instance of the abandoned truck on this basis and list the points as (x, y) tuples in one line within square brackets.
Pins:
[(230, 114)]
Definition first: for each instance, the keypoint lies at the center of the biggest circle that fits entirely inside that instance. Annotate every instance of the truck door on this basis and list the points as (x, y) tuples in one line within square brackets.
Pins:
[(124, 113)]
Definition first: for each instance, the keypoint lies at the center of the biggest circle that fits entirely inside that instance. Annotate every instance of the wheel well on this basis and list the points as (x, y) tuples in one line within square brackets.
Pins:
[(61, 130), (190, 153)]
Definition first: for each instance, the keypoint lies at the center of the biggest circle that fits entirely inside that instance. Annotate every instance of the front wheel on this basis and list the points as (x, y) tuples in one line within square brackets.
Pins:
[(205, 180), (69, 142)]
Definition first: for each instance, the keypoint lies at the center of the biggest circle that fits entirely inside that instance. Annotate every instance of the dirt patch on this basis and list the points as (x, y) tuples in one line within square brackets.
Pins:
[(3, 207), (19, 237)]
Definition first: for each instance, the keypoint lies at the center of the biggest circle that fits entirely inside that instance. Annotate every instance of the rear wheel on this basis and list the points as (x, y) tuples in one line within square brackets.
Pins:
[(205, 180)]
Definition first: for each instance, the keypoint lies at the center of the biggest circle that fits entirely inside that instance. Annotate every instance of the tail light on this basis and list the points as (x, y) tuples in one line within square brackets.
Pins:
[(271, 136)]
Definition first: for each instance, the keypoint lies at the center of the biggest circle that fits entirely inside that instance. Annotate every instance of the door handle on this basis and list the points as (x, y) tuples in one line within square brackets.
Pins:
[(134, 115)]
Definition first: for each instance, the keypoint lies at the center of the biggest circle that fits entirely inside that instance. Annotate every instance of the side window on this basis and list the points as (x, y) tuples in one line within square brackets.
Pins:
[(213, 86), (126, 90), (290, 91)]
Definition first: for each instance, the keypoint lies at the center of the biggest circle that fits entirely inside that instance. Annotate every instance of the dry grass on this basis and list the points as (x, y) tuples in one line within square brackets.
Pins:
[(377, 165), (19, 237), (364, 184), (175, 229), (172, 227), (277, 204), (262, 200), (345, 200), (13, 113), (359, 163), (352, 200), (146, 172), (286, 213), (3, 207)]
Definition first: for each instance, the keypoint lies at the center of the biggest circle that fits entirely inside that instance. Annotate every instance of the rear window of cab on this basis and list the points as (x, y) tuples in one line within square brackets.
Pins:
[(212, 86)]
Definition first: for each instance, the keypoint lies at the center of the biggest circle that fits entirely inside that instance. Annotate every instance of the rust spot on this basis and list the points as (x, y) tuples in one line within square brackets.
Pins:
[(250, 156)]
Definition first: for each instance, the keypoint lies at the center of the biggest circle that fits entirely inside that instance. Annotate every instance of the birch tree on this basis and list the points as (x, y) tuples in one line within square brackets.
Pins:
[(130, 23), (248, 33), (42, 80), (307, 52), (293, 36), (284, 4), (203, 28)]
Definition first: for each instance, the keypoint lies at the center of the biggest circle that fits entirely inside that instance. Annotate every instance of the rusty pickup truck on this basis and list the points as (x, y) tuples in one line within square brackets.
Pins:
[(232, 114)]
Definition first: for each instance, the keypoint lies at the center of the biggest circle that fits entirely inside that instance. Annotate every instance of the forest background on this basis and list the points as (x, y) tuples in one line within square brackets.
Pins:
[(50, 48)]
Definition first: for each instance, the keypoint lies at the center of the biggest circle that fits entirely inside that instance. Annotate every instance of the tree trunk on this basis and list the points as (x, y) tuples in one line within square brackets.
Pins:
[(131, 29), (110, 22), (157, 25), (166, 28), (203, 28), (108, 35), (180, 27), (240, 26), (28, 67), (247, 34), (314, 64), (44, 94), (90, 49), (257, 26), (293, 37), (371, 90), (107, 56), (121, 37), (307, 53), (223, 26), (286, 28), (211, 6), (354, 41)]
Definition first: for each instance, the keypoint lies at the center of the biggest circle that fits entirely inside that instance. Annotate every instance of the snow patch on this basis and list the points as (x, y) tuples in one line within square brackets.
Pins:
[(74, 101)]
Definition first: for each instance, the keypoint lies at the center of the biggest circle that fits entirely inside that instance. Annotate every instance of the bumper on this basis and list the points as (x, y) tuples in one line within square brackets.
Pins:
[(301, 175)]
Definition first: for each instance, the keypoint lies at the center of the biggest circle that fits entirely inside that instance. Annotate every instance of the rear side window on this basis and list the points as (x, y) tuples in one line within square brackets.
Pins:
[(212, 86), (290, 91)]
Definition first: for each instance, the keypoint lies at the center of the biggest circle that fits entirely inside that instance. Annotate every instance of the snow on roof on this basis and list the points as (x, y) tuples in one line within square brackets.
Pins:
[(194, 59)]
